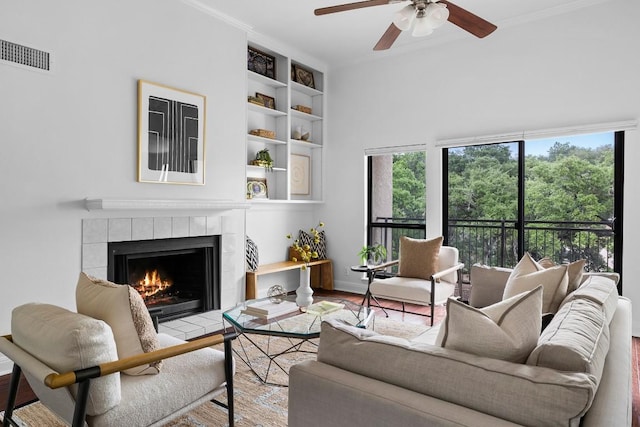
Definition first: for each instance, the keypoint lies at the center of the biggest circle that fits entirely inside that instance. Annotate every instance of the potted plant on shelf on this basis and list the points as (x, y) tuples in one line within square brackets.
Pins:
[(373, 254), (263, 158)]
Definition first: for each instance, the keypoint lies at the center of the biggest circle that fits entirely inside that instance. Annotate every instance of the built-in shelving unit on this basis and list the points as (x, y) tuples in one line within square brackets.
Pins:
[(297, 172)]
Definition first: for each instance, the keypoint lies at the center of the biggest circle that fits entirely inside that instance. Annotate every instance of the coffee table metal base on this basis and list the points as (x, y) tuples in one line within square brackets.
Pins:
[(295, 346)]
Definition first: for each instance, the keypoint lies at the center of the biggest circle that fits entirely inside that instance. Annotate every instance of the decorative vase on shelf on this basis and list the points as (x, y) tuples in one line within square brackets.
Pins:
[(304, 292)]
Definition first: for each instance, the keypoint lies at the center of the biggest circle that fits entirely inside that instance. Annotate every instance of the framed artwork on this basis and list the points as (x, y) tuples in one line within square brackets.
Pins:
[(304, 76), (257, 188), (267, 101), (171, 129), (261, 63), (300, 181)]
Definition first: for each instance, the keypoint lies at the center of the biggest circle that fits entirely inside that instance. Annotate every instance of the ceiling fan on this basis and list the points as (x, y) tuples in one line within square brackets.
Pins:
[(423, 16)]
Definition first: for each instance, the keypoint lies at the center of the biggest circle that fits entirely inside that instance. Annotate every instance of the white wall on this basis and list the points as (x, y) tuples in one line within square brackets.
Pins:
[(562, 71), (72, 133)]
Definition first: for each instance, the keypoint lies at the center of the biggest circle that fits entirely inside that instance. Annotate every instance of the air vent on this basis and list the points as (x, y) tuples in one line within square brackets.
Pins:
[(23, 55)]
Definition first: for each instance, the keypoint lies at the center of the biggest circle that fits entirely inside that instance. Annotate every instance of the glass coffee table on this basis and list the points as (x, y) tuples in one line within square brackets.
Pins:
[(295, 332)]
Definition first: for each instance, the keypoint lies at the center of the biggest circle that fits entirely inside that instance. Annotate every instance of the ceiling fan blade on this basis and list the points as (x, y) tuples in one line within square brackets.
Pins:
[(350, 6), (388, 38), (468, 21)]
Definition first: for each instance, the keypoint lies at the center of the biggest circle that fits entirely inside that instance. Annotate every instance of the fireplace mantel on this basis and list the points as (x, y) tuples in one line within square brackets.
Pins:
[(163, 204)]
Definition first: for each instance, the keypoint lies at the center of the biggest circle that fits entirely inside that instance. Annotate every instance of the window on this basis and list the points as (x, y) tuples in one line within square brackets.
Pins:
[(557, 197), (396, 198)]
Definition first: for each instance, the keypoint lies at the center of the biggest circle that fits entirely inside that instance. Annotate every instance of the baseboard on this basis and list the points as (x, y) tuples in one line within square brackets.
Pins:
[(6, 365), (354, 288)]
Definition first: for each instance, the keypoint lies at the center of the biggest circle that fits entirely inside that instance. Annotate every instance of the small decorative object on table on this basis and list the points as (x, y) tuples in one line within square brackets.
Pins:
[(373, 254), (276, 294), (306, 254), (323, 308)]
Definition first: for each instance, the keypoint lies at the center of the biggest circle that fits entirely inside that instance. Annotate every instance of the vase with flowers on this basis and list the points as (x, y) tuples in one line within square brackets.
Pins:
[(305, 252)]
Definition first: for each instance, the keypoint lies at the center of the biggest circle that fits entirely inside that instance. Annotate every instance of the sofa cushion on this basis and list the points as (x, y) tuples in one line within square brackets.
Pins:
[(487, 284), (123, 309), (419, 257), (576, 340), (68, 341), (528, 274), (507, 330), (511, 391), (600, 289), (575, 271)]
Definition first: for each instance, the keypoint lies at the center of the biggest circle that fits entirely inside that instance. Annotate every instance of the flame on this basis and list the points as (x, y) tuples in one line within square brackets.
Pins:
[(152, 284)]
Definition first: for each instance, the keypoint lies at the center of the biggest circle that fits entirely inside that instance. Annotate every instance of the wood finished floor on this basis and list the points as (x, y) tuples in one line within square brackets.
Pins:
[(25, 395)]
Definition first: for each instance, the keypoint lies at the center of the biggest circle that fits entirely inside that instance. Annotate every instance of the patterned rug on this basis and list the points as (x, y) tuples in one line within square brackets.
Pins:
[(256, 403)]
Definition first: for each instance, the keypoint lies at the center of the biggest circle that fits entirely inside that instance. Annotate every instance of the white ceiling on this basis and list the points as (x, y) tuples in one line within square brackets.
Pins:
[(347, 37)]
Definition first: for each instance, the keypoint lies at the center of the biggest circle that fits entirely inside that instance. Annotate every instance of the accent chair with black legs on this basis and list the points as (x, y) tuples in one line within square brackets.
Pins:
[(110, 367), (427, 274)]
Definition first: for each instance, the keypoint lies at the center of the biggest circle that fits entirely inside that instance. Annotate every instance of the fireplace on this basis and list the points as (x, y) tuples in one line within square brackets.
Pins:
[(176, 277)]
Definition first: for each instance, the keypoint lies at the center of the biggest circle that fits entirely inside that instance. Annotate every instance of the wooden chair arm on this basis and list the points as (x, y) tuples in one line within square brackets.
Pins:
[(66, 379), (440, 274)]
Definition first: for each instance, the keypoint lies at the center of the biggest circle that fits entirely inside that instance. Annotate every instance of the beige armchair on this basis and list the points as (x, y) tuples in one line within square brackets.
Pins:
[(71, 363), (427, 290)]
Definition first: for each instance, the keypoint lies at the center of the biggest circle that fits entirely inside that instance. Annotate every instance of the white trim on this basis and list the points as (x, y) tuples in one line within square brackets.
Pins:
[(378, 151), (6, 365), (538, 134), (216, 14), (119, 204)]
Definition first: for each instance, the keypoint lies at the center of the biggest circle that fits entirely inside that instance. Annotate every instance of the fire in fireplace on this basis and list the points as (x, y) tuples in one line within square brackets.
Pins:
[(175, 277)]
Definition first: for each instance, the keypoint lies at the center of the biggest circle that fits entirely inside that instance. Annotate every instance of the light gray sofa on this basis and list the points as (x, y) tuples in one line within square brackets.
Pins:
[(361, 378)]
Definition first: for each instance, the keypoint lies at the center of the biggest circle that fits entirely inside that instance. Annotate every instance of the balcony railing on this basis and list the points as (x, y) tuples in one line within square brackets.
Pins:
[(495, 242)]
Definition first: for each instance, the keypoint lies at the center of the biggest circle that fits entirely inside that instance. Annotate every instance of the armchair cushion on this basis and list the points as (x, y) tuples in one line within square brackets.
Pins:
[(68, 341), (419, 257), (528, 274), (507, 330), (123, 309)]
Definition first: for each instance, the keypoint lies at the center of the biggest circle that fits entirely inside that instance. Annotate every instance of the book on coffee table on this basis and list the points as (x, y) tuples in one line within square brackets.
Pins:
[(324, 307), (267, 309)]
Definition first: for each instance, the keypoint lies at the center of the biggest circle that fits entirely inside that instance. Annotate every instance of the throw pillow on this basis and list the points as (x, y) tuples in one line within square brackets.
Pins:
[(507, 330), (528, 274), (251, 254), (122, 308), (419, 257), (575, 270), (308, 239)]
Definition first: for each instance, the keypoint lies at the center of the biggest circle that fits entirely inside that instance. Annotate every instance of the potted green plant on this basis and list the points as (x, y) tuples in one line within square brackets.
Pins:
[(373, 254), (263, 158)]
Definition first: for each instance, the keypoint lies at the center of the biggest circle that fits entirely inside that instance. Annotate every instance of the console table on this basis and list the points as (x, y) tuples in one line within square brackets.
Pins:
[(321, 274)]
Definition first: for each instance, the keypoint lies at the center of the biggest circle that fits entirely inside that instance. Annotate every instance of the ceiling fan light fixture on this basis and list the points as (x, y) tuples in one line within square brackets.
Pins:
[(437, 14), (421, 28), (404, 18)]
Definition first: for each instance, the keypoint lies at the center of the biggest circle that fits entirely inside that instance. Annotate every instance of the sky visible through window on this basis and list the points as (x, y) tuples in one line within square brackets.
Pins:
[(540, 147)]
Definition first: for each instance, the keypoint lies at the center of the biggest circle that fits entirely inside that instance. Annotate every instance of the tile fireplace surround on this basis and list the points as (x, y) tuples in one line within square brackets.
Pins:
[(97, 233)]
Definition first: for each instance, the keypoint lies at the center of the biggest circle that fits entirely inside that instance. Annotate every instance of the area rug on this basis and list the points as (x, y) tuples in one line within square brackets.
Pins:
[(256, 403)]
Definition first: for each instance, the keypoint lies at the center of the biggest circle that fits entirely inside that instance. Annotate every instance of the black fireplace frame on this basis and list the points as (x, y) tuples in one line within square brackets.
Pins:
[(119, 253)]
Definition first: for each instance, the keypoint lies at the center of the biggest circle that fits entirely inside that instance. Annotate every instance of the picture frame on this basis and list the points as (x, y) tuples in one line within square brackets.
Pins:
[(267, 101), (261, 62), (257, 188), (304, 76), (171, 135), (300, 174)]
